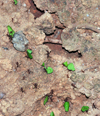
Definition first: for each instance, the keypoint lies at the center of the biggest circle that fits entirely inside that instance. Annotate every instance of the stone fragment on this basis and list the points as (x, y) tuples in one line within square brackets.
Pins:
[(97, 104), (36, 35), (88, 85), (19, 41), (70, 39), (97, 87), (50, 5), (1, 95), (40, 54), (45, 23), (77, 78)]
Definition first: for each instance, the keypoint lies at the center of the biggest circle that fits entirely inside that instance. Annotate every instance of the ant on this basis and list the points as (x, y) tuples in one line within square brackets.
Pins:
[(82, 71), (2, 4), (22, 90), (10, 37), (28, 71), (51, 95), (35, 85), (48, 53), (73, 85), (17, 64), (93, 106), (67, 76), (67, 99), (23, 78), (12, 19)]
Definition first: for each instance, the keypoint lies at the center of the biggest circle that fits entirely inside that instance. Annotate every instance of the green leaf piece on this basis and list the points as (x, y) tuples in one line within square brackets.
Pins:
[(46, 100), (65, 64), (71, 67), (15, 2), (29, 53), (49, 70), (43, 64), (11, 31), (84, 108), (66, 106), (52, 114)]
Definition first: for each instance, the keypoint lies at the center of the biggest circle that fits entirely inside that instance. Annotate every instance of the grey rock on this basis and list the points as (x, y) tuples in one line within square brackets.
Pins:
[(96, 81), (19, 41), (77, 78), (97, 87), (1, 95), (71, 39), (88, 85)]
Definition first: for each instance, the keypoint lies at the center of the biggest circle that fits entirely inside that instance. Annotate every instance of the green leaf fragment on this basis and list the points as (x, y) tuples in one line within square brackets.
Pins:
[(66, 106), (15, 2), (65, 64), (29, 53), (43, 64), (46, 100), (52, 114), (11, 31), (49, 70), (84, 108), (71, 67)]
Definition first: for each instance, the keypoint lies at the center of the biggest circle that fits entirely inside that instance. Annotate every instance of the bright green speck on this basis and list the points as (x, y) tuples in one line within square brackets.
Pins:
[(15, 2), (49, 70), (43, 64), (11, 31), (29, 53), (66, 106), (46, 100), (71, 67), (52, 114), (65, 64), (84, 108)]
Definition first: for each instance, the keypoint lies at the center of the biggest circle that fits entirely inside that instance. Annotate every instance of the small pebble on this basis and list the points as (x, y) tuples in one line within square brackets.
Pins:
[(1, 95), (87, 15), (97, 8), (24, 4)]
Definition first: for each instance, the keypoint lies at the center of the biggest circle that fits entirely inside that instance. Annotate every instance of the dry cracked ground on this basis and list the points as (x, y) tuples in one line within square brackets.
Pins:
[(56, 31)]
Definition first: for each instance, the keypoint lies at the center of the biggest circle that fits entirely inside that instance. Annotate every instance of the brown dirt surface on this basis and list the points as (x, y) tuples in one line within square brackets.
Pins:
[(57, 31)]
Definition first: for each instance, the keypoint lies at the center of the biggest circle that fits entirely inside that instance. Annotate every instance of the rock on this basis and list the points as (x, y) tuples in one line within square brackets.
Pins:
[(50, 5), (97, 87), (45, 23), (36, 35), (96, 81), (77, 78), (40, 54), (70, 39), (19, 41), (97, 104), (1, 95), (88, 85)]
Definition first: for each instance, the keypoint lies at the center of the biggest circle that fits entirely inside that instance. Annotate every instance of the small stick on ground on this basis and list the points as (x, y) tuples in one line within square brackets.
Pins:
[(52, 41)]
